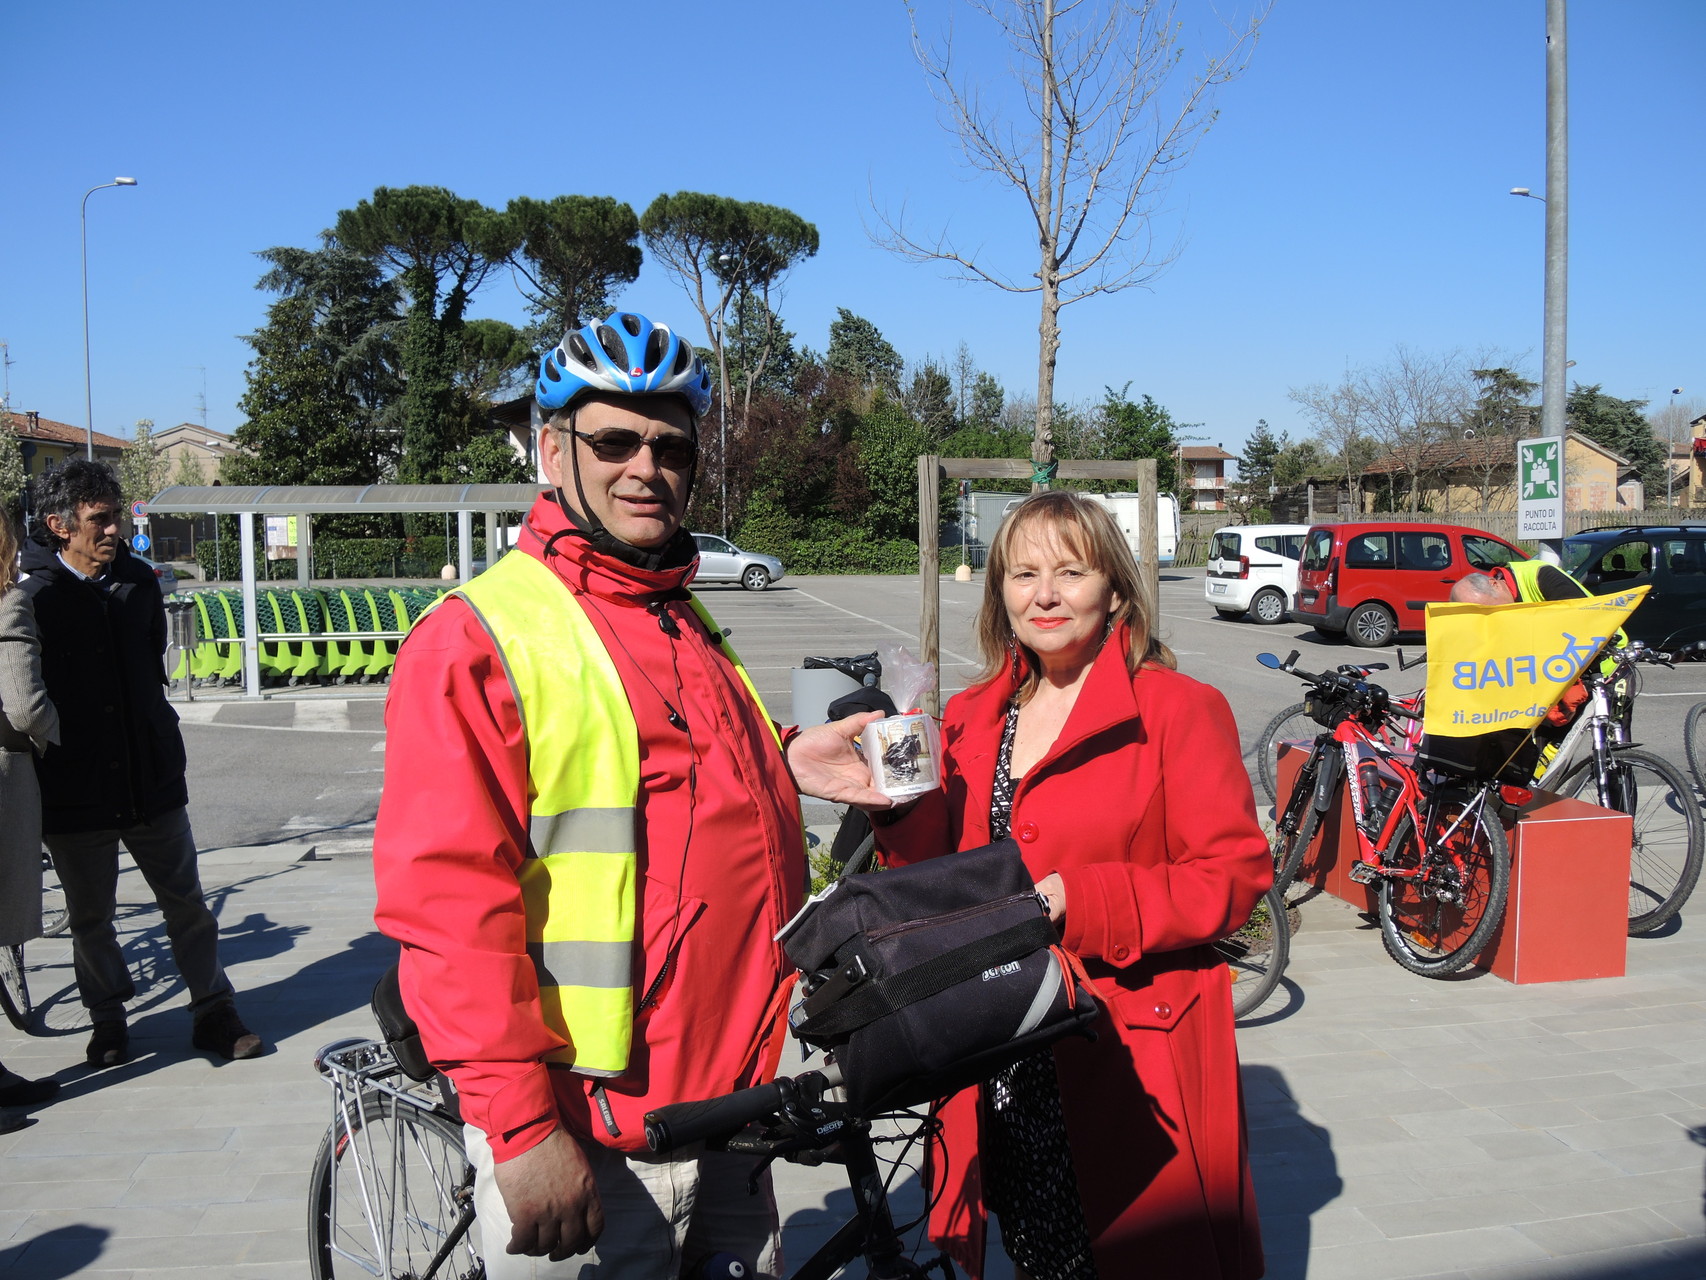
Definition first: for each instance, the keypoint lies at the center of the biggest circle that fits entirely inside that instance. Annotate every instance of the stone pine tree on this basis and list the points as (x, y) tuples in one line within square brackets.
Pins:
[(1108, 113), (573, 256), (441, 249)]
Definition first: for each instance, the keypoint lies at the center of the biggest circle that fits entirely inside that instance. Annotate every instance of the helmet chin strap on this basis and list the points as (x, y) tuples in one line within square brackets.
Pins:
[(590, 527)]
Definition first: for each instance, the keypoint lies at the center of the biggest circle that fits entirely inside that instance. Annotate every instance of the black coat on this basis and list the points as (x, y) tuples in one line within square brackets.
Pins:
[(120, 758)]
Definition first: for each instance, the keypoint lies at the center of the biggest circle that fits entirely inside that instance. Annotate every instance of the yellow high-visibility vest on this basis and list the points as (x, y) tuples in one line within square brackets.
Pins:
[(580, 879)]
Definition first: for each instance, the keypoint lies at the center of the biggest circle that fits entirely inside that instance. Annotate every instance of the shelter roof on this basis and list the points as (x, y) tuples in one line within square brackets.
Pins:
[(309, 499)]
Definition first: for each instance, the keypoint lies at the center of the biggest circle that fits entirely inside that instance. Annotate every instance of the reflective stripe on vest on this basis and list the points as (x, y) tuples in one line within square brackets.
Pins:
[(580, 880)]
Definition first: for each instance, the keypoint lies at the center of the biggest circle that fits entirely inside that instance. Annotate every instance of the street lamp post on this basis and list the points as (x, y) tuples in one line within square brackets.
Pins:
[(1670, 462), (88, 396)]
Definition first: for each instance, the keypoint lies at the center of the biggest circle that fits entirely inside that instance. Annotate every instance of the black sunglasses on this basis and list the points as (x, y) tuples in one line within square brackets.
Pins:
[(617, 444)]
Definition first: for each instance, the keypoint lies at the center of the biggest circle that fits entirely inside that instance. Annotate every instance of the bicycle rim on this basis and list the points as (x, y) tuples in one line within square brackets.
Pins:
[(14, 988), (1442, 910), (1667, 837), (54, 915), (391, 1184), (1257, 954), (1289, 725)]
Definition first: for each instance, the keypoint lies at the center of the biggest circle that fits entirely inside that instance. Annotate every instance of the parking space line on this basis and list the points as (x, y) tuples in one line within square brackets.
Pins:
[(886, 626)]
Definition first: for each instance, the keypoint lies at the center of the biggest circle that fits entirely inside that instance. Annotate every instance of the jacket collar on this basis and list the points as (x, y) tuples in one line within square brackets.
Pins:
[(549, 537), (1108, 698)]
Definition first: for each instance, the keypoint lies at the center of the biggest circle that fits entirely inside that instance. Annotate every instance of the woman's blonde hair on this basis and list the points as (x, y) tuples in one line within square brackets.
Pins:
[(8, 552), (1088, 530)]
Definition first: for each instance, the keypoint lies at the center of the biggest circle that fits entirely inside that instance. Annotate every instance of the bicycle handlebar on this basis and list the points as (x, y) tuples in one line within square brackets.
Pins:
[(680, 1123)]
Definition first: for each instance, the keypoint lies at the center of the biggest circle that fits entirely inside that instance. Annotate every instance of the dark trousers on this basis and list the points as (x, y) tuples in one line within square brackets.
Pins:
[(164, 851)]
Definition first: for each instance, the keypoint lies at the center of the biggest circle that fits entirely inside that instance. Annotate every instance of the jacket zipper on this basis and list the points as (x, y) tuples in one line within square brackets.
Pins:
[(964, 913)]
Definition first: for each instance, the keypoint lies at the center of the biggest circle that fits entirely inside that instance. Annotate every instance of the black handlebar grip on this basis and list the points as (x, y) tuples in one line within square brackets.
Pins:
[(683, 1122)]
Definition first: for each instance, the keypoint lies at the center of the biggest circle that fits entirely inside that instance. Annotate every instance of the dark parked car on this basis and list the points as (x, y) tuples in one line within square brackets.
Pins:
[(1669, 558)]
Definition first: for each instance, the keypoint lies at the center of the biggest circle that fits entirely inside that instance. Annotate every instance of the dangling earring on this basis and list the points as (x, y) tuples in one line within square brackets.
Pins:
[(1015, 661)]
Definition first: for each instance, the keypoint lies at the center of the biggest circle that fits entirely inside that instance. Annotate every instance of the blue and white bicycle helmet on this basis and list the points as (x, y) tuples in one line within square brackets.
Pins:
[(627, 355)]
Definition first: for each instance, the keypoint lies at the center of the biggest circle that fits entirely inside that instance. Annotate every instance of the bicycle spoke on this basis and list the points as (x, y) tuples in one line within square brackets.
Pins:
[(1442, 895)]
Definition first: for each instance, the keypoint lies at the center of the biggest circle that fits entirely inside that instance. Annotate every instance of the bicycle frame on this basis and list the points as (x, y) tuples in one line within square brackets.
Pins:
[(355, 1069)]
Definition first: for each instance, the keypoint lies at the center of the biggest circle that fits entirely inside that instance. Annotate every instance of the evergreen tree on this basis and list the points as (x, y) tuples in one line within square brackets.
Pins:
[(1256, 463), (889, 441), (987, 399), (1620, 426), (1134, 429), (858, 351)]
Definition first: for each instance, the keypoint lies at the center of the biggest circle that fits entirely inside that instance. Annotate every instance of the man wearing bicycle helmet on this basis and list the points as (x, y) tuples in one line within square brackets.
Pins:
[(589, 835)]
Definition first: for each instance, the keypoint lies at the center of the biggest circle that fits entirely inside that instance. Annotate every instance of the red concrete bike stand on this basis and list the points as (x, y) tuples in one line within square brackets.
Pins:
[(1567, 917)]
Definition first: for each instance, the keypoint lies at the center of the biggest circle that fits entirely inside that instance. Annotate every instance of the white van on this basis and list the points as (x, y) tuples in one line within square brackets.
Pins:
[(1252, 568)]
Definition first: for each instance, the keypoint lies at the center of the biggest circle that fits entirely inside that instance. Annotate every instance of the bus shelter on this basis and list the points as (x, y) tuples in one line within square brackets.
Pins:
[(307, 501)]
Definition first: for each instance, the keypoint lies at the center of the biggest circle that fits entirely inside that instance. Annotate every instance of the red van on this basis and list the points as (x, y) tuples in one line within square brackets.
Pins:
[(1370, 580)]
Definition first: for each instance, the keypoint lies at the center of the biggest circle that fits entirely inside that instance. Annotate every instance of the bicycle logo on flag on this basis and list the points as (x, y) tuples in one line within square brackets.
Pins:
[(1495, 673)]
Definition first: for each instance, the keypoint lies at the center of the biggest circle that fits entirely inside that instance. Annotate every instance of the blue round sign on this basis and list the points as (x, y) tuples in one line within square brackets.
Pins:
[(141, 542)]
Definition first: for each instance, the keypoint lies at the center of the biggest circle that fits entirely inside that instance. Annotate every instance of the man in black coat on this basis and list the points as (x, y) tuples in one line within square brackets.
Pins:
[(118, 771)]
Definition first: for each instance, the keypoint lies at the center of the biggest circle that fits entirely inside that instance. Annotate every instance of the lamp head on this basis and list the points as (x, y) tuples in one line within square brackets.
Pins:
[(124, 182)]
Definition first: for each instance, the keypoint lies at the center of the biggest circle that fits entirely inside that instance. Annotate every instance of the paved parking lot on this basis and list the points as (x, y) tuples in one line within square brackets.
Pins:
[(1399, 1127)]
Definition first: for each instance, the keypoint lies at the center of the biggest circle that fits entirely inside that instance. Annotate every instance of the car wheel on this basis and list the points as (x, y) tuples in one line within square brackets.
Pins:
[(1371, 626), (755, 577), (1268, 607)]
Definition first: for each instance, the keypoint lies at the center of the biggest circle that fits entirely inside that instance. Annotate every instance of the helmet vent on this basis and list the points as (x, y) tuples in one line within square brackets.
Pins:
[(629, 322), (612, 344), (582, 352), (656, 347), (683, 357)]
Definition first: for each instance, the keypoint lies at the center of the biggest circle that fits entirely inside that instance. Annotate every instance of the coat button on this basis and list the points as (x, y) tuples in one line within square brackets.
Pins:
[(1163, 1010), (1121, 951), (1027, 831)]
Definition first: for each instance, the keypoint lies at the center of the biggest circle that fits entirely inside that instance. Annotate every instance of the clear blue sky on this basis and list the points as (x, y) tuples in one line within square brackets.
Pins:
[(1351, 196)]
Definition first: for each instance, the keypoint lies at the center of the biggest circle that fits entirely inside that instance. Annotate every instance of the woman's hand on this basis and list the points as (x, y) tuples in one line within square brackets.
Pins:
[(825, 765), (1053, 888)]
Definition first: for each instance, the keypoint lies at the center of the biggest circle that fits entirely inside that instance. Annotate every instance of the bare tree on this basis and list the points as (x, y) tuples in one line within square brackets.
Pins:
[(1341, 426), (1112, 116)]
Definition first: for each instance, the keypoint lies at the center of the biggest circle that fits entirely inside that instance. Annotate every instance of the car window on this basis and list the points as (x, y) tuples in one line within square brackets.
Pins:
[(1487, 553), (1225, 547), (1682, 557), (1622, 562), (1289, 545), (709, 542), (1424, 551), (1369, 551), (1318, 551), (1576, 555)]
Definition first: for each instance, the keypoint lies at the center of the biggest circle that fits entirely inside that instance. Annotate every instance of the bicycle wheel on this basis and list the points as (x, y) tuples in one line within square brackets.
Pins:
[(1694, 741), (55, 918), (14, 988), (1289, 725), (1257, 954), (1440, 914), (388, 1193), (1668, 839)]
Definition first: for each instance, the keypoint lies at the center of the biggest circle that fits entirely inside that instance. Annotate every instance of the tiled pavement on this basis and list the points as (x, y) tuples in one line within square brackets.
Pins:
[(1400, 1127)]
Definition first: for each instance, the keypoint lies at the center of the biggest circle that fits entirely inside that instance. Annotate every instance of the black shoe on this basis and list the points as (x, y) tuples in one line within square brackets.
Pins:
[(28, 1093), (221, 1031), (109, 1045)]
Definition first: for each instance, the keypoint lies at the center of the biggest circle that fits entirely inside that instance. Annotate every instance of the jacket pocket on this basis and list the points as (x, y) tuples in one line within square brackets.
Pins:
[(665, 926), (1150, 1009)]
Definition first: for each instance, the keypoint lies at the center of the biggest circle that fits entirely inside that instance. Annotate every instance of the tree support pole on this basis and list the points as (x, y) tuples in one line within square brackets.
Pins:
[(929, 576)]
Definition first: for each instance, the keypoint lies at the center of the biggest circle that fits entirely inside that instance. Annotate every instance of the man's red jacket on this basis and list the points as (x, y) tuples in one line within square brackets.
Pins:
[(721, 860)]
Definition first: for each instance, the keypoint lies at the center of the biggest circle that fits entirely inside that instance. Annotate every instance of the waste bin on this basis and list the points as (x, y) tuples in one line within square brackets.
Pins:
[(820, 681)]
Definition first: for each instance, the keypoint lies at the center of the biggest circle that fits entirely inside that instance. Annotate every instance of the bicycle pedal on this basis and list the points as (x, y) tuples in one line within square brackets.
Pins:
[(1363, 873)]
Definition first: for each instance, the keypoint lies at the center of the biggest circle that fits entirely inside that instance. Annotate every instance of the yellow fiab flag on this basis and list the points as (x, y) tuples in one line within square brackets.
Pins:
[(1496, 667)]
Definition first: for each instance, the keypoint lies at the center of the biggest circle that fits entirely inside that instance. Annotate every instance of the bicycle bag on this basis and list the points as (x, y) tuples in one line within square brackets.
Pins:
[(928, 978)]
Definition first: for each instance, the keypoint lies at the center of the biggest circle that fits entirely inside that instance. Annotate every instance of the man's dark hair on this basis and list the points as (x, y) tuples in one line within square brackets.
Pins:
[(78, 483)]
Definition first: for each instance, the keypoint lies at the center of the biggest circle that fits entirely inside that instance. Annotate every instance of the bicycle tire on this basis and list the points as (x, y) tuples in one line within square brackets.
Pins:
[(1694, 742), (1290, 724), (15, 988), (1298, 847), (1429, 934), (1668, 834), (1257, 957), (415, 1161)]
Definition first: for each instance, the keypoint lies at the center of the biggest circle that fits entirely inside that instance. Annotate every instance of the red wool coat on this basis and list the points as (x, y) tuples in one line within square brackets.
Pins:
[(1143, 807)]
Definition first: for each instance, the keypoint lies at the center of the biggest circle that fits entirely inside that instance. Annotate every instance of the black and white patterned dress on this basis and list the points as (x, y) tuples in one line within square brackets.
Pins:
[(1029, 1182)]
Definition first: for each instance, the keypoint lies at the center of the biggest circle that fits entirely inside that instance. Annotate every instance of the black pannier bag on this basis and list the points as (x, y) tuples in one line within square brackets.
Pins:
[(927, 978)]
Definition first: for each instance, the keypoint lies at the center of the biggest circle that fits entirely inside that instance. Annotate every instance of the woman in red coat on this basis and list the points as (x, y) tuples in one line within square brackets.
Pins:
[(1122, 783)]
